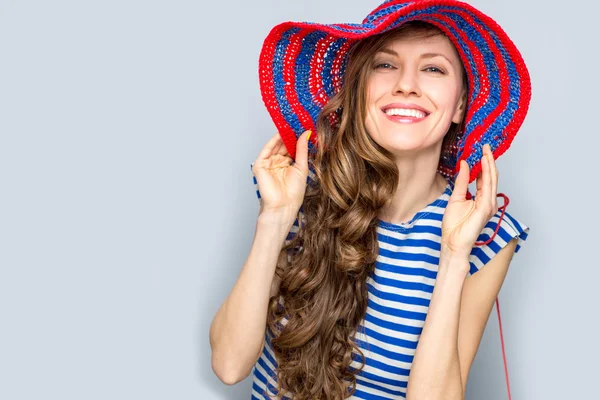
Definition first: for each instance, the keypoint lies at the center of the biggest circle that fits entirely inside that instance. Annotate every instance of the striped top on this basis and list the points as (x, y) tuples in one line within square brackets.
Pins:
[(399, 293)]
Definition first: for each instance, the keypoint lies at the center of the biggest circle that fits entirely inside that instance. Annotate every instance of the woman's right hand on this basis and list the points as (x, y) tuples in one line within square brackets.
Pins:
[(281, 184)]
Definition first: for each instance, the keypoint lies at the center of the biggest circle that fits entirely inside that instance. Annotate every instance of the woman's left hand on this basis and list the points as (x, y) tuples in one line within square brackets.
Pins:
[(464, 219)]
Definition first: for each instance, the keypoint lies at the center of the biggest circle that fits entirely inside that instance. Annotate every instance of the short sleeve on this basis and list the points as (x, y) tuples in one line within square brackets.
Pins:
[(292, 233), (510, 228)]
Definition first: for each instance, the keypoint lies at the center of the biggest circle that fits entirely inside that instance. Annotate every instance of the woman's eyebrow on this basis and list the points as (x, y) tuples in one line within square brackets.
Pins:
[(424, 55)]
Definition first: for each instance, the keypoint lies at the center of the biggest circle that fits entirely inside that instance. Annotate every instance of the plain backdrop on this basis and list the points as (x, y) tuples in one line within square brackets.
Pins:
[(127, 207)]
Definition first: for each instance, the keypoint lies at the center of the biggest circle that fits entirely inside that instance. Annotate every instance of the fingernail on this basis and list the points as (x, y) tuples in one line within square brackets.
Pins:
[(308, 136)]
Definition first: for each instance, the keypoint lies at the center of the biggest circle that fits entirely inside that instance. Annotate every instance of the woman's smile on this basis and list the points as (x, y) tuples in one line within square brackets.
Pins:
[(405, 119)]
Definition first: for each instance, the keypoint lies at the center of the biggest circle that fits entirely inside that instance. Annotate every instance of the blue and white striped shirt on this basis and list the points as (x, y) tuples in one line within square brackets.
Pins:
[(399, 294)]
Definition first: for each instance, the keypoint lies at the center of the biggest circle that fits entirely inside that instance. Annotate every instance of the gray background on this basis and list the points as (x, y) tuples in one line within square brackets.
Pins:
[(127, 207)]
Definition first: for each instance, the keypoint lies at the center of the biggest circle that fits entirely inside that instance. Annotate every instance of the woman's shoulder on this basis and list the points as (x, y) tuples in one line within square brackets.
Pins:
[(503, 227)]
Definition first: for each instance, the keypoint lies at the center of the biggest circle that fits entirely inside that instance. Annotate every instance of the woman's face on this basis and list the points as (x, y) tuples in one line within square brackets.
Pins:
[(405, 75)]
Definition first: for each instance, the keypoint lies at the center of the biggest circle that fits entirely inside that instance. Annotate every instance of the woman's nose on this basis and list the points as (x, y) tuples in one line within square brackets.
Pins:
[(407, 83)]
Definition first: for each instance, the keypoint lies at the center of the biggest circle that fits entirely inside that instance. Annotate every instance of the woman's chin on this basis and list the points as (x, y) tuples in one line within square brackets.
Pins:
[(403, 144)]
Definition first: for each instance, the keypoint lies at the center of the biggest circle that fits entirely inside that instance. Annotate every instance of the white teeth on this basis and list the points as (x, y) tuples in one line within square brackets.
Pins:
[(405, 112)]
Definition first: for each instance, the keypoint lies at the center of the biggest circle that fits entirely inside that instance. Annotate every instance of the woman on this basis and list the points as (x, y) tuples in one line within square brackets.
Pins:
[(366, 276)]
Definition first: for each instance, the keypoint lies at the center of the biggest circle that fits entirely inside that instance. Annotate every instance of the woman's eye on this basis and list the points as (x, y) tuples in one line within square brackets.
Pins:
[(435, 68), (388, 66)]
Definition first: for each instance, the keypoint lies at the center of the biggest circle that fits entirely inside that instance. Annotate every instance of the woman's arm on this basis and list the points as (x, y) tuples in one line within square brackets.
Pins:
[(458, 312), (238, 328), (435, 371)]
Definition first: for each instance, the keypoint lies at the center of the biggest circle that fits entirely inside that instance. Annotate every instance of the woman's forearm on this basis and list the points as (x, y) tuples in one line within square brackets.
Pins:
[(238, 328), (435, 372)]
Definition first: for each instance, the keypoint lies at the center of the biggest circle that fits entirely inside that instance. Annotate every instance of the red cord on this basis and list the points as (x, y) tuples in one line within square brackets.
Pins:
[(503, 208), (503, 351)]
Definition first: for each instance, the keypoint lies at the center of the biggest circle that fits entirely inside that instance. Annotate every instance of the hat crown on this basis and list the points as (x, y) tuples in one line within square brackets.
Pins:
[(386, 8)]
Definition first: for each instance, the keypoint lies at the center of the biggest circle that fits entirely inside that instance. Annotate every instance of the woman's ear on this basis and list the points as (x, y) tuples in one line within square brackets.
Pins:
[(461, 108)]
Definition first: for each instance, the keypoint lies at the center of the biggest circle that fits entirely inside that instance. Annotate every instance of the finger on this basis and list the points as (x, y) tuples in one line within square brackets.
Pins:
[(462, 181), (481, 171), (282, 150), (302, 152), (479, 182), (486, 185), (494, 176), (270, 147)]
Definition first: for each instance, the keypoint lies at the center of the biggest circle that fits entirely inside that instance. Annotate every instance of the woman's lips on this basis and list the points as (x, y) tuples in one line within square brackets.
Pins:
[(404, 119)]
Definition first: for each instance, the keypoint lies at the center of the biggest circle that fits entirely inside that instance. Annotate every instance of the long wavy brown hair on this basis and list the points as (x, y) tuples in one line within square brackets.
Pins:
[(323, 293)]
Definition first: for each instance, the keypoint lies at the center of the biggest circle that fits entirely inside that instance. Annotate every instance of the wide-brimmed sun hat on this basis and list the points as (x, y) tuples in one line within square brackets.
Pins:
[(302, 64)]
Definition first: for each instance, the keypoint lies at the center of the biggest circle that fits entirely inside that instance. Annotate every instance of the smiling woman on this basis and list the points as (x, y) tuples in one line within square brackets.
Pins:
[(358, 284), (427, 67)]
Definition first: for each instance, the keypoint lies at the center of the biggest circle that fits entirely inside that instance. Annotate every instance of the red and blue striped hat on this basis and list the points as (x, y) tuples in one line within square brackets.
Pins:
[(302, 64)]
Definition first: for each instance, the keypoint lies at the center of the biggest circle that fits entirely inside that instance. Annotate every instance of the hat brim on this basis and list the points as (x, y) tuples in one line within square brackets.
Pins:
[(301, 67)]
